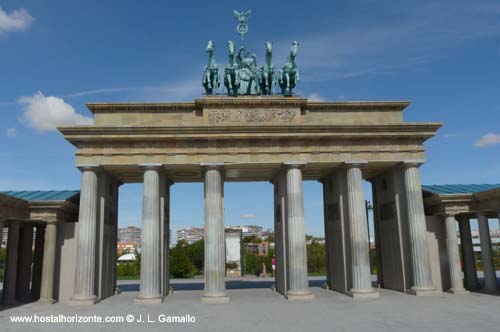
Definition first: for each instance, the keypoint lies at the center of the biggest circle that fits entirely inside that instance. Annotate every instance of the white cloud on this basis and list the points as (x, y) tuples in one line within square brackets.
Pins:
[(488, 139), (315, 97), (47, 113), (19, 19), (11, 132), (248, 216)]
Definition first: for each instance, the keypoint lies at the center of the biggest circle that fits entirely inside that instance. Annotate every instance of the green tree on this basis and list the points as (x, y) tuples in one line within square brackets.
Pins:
[(252, 239), (196, 252), (316, 258), (180, 264)]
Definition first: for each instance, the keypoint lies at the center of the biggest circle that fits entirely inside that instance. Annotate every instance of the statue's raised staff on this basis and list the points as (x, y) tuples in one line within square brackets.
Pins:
[(267, 80), (288, 76), (210, 78), (231, 73)]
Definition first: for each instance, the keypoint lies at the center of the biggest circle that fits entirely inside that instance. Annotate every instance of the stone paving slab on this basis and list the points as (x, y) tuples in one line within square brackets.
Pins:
[(259, 309)]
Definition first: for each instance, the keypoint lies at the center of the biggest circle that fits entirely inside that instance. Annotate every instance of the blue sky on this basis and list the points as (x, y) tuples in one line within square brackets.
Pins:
[(55, 56)]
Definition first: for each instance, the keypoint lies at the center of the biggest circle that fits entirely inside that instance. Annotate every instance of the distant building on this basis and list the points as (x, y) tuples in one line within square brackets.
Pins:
[(126, 248), (190, 235), (234, 252), (126, 258), (130, 234), (259, 249)]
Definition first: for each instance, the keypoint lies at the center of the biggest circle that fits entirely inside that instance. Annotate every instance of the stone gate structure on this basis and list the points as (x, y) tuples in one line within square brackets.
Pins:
[(284, 140)]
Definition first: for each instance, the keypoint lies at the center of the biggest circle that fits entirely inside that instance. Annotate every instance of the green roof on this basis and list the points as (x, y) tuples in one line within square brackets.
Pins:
[(43, 195), (450, 189)]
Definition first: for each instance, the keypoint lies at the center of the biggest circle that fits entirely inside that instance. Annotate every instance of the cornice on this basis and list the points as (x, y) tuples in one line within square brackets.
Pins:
[(252, 101), (138, 107), (358, 105), (420, 131)]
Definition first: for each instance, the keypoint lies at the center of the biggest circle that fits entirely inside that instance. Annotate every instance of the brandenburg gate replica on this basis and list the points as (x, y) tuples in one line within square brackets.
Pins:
[(249, 132)]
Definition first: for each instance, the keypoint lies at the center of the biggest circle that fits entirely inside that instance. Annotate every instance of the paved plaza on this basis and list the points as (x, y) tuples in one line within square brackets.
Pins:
[(254, 307)]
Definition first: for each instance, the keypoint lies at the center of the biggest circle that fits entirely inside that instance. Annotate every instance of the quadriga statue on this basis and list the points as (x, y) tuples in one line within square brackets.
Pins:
[(267, 80), (231, 72), (210, 78), (288, 76)]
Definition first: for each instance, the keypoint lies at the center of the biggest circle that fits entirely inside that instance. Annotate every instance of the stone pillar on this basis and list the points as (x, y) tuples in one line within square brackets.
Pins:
[(49, 248), (457, 284), (490, 279), (25, 259), (215, 255), (361, 286), (468, 255), (150, 289), (10, 276), (36, 278), (422, 278), (298, 285), (85, 292)]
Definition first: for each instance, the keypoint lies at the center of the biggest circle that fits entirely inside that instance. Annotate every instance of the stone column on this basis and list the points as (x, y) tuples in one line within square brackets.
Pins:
[(361, 285), (49, 249), (457, 284), (150, 289), (85, 292), (36, 278), (9, 280), (298, 285), (468, 255), (25, 259), (490, 279), (422, 278), (215, 255)]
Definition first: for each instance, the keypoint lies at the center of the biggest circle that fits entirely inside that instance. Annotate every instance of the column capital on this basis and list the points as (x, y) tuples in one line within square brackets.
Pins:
[(14, 222), (212, 165), (293, 164), (205, 166), (448, 214), (412, 163), (354, 163), (482, 214), (145, 166), (89, 167)]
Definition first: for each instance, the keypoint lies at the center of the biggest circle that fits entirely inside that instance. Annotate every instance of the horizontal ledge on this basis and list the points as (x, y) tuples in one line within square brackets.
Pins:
[(256, 101), (433, 126)]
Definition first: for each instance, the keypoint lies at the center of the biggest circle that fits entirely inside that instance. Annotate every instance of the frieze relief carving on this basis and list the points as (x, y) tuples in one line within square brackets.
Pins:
[(251, 116)]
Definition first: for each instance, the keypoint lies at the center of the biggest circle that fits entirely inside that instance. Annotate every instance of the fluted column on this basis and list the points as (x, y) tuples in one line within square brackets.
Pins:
[(85, 292), (150, 289), (49, 249), (215, 256), (360, 261), (422, 278), (298, 285), (25, 259), (9, 280), (36, 278), (490, 279), (470, 274), (457, 283)]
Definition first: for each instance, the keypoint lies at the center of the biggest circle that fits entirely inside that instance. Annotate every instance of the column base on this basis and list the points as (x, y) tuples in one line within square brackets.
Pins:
[(424, 291), (83, 300), (148, 300), (46, 301), (458, 291), (224, 298), (9, 302), (305, 296), (360, 294)]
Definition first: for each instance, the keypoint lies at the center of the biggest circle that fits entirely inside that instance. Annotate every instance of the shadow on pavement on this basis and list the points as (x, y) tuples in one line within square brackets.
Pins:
[(230, 284)]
